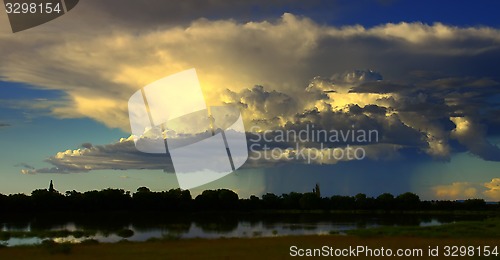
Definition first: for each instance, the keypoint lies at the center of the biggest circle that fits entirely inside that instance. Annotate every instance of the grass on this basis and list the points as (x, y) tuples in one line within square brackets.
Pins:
[(489, 228), (56, 248), (237, 248)]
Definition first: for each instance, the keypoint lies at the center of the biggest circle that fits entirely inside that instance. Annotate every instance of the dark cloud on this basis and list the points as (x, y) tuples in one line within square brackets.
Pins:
[(87, 145), (25, 165), (435, 117), (281, 54), (158, 13), (440, 83), (380, 87)]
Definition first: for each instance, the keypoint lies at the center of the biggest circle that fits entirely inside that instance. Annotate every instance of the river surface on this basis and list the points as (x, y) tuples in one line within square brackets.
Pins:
[(142, 227)]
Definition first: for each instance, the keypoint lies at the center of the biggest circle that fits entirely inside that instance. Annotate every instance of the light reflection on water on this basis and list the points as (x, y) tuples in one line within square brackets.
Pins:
[(142, 226), (243, 229)]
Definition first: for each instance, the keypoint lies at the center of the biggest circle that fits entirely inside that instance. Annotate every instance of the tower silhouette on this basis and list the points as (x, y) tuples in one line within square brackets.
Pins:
[(51, 187)]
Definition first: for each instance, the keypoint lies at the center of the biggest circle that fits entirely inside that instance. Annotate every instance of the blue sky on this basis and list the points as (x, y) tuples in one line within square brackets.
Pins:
[(458, 13), (431, 67)]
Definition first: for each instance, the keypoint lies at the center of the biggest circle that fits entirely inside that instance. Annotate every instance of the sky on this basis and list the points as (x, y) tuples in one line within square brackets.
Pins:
[(424, 76)]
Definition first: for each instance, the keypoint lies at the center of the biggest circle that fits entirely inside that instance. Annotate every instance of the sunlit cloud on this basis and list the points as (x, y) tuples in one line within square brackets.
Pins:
[(493, 189), (467, 190), (281, 55), (405, 80), (456, 190)]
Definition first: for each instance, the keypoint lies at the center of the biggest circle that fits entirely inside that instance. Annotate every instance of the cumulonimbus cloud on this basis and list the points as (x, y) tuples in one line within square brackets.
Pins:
[(99, 68), (283, 73), (416, 118)]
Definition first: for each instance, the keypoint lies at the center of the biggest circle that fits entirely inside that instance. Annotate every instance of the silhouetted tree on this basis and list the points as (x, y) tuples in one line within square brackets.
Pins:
[(317, 191), (342, 202), (474, 204), (361, 201), (217, 199), (271, 201), (310, 201), (291, 200), (44, 200), (407, 201), (385, 201), (176, 200), (228, 199)]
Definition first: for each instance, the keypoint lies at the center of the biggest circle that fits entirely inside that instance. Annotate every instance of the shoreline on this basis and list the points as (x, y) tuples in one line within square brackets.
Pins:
[(240, 248), (476, 234)]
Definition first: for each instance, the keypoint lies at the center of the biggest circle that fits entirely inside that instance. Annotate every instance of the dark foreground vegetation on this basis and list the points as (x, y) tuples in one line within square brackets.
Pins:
[(143, 199), (236, 248)]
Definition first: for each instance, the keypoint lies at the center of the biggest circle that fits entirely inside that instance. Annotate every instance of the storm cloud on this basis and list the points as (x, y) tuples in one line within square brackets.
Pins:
[(411, 82)]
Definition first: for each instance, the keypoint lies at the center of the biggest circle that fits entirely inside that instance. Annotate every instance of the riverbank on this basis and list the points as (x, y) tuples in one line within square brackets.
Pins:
[(250, 248), (475, 235)]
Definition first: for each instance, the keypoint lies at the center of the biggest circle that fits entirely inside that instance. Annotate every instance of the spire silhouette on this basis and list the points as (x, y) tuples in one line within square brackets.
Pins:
[(51, 187)]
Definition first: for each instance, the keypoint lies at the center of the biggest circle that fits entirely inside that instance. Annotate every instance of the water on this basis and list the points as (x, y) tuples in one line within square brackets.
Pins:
[(141, 227)]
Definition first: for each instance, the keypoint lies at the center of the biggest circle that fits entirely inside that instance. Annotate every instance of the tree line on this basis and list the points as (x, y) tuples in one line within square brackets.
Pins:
[(43, 200)]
